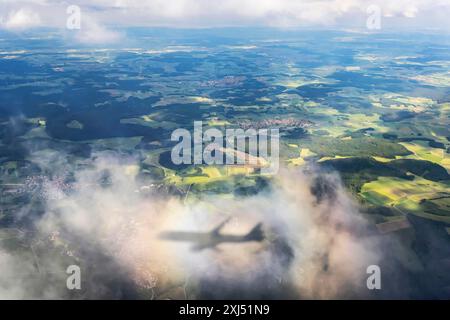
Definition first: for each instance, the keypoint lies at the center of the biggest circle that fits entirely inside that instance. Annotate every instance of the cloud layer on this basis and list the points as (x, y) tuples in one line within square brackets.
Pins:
[(317, 245), (424, 14)]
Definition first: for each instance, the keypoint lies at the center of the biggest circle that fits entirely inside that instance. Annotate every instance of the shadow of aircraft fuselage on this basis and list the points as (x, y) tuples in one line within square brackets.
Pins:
[(204, 240)]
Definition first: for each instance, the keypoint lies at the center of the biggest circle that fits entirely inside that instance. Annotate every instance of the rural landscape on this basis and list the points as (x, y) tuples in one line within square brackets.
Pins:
[(87, 178)]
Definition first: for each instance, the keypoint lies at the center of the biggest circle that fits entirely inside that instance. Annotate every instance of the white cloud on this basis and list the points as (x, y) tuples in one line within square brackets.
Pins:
[(92, 32), (410, 12), (205, 13), (21, 19), (269, 12)]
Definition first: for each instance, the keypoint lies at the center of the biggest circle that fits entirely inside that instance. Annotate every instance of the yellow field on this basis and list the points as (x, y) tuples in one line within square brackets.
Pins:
[(422, 152), (403, 194), (352, 122), (332, 158), (435, 79), (396, 189), (401, 102), (202, 100), (237, 170), (301, 160), (381, 159), (305, 153), (215, 122), (210, 174), (296, 161)]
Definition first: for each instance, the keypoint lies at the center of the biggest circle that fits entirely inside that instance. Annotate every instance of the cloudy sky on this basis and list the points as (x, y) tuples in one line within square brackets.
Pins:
[(103, 18)]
